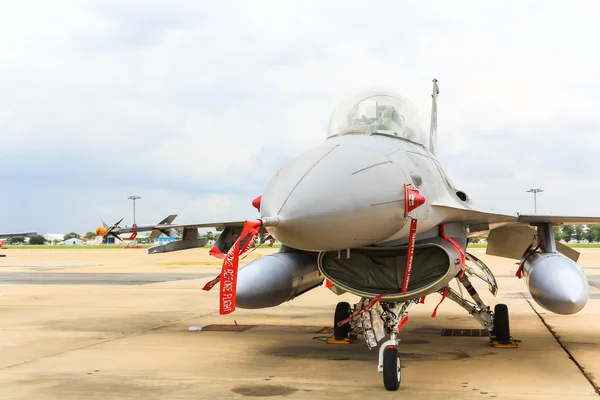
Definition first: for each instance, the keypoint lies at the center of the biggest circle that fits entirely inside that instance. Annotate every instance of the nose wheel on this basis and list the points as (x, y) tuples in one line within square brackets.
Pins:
[(391, 368)]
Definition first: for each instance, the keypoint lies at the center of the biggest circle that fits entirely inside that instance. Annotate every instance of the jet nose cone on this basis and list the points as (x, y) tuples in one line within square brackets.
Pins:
[(337, 196)]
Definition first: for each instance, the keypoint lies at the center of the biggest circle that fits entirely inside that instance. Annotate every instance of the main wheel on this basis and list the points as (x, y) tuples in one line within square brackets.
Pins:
[(501, 324), (391, 369), (342, 311)]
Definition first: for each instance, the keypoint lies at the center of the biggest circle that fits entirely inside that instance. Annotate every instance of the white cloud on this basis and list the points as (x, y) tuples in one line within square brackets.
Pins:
[(194, 105)]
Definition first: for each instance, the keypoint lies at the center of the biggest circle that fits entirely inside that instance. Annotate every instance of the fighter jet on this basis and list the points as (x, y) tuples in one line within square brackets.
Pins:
[(371, 212)]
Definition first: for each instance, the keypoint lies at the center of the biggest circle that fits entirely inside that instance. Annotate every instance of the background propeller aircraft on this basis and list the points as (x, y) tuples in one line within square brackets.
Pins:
[(372, 211), (163, 227)]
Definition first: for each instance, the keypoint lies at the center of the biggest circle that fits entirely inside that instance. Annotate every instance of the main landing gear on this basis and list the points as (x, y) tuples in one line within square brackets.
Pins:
[(342, 311), (496, 322)]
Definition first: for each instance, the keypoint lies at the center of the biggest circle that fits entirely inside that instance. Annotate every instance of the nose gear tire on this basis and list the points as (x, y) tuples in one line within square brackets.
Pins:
[(391, 369)]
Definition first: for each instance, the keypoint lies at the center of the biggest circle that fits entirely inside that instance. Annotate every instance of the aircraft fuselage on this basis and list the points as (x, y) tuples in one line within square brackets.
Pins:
[(349, 192)]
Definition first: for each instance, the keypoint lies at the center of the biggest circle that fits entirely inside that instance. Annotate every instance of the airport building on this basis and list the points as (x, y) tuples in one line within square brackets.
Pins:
[(164, 240), (72, 242)]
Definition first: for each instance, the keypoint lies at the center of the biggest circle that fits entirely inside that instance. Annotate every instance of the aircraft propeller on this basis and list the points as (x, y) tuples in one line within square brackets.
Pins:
[(105, 230)]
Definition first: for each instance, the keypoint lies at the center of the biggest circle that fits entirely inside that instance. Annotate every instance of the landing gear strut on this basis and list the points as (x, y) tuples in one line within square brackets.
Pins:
[(392, 314), (495, 322)]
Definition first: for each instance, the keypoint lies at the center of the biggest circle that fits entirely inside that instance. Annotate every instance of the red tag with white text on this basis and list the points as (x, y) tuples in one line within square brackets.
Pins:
[(409, 256), (230, 267)]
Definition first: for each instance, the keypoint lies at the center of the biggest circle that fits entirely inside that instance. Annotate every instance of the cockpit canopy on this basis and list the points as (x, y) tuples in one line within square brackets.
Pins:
[(377, 111)]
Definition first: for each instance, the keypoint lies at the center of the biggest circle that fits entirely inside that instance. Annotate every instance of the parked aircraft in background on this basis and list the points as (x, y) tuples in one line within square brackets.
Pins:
[(163, 227), (15, 235), (18, 235), (372, 211)]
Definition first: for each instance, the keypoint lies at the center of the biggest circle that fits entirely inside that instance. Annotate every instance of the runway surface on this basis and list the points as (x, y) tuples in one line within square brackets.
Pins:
[(113, 324)]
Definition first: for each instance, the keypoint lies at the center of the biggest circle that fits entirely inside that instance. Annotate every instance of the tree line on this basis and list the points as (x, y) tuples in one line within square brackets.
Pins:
[(566, 233), (39, 239)]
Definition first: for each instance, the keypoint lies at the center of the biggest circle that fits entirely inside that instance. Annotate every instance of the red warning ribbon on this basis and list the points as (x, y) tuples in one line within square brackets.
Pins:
[(134, 234), (228, 276), (457, 246), (524, 258), (409, 256), (434, 313), (402, 323), (363, 310), (215, 252)]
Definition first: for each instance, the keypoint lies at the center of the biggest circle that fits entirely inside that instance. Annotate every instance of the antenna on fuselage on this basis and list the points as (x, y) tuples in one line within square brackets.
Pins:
[(433, 124)]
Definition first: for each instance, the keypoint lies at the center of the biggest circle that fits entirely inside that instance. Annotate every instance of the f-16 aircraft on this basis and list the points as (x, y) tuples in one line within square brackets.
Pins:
[(372, 212)]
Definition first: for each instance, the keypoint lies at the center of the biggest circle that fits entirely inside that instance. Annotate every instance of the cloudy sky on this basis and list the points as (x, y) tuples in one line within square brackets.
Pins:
[(194, 105)]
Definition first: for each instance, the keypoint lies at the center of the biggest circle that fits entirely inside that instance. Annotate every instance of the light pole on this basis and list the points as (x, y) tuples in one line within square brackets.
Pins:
[(535, 192), (134, 198)]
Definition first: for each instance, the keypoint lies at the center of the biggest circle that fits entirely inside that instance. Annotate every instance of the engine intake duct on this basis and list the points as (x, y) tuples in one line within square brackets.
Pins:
[(370, 271)]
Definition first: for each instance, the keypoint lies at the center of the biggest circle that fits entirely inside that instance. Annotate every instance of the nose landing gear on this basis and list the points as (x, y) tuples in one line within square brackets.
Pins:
[(377, 320), (394, 316)]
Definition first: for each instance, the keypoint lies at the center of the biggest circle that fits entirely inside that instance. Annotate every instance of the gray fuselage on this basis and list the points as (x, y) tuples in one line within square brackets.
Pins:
[(349, 192)]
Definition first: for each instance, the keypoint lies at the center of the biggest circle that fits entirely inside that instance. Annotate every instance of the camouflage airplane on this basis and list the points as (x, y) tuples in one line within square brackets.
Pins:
[(372, 212)]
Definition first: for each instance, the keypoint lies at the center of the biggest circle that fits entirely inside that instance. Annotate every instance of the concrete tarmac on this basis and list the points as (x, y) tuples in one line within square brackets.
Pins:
[(113, 324)]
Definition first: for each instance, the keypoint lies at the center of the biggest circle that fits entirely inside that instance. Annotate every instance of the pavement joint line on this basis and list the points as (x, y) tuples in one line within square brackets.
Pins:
[(87, 346), (556, 337)]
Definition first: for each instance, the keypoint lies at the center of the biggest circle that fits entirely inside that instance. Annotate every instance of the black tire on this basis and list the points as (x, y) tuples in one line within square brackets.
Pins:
[(391, 369), (501, 324), (342, 311)]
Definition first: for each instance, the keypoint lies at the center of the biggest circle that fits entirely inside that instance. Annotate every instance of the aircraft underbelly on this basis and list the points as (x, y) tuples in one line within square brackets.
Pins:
[(371, 271)]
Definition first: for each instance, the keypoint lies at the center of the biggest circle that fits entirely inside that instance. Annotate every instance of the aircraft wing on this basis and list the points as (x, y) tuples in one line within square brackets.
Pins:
[(147, 228), (472, 216), (557, 219), (17, 235), (485, 220), (509, 235), (190, 238)]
